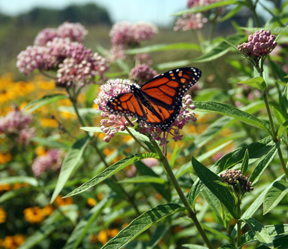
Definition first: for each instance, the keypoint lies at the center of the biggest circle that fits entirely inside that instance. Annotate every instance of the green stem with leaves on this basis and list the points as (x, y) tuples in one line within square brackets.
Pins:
[(191, 213)]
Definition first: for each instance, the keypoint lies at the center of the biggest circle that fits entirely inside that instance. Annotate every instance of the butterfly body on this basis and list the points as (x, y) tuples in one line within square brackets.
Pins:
[(158, 102)]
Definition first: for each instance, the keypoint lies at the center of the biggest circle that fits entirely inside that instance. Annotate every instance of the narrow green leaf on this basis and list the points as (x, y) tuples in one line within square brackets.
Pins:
[(260, 232), (164, 47), (194, 192), (82, 227), (263, 164), (48, 99), (82, 111), (222, 193), (206, 7), (227, 246), (98, 129), (50, 142), (256, 82), (141, 224), (172, 64), (215, 232), (159, 233), (277, 70), (275, 194), (232, 12), (162, 189), (280, 118), (19, 179), (70, 162), (220, 49), (113, 169), (276, 30), (190, 246), (244, 166), (143, 179), (231, 111)]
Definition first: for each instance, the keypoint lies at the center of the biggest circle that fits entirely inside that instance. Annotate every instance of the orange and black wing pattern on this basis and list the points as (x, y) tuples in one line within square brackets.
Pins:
[(158, 102)]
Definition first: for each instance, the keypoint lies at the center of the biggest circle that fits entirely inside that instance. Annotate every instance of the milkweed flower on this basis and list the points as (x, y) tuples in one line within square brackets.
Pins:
[(111, 123), (142, 73), (72, 31), (259, 44), (51, 160), (15, 124), (233, 177), (127, 35)]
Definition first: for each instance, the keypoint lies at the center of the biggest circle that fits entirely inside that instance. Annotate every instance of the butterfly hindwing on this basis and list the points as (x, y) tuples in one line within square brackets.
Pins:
[(158, 102)]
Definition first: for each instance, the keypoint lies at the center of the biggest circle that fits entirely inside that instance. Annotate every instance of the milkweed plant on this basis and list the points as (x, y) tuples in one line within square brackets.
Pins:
[(74, 174)]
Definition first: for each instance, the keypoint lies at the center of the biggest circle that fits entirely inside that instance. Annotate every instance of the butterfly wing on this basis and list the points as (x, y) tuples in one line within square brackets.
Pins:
[(126, 104), (168, 89), (159, 101)]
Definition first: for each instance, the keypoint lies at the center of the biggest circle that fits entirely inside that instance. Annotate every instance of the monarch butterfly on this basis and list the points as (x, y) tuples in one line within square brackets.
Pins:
[(157, 102)]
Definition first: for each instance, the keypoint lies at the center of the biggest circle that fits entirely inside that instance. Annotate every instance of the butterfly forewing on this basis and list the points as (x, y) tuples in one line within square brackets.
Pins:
[(158, 102)]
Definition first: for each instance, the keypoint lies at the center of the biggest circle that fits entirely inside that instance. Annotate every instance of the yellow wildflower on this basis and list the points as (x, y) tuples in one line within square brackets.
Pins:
[(48, 210), (13, 242), (5, 158), (91, 202), (63, 202), (34, 214), (40, 151), (102, 237), (4, 187), (3, 215), (113, 232), (48, 122)]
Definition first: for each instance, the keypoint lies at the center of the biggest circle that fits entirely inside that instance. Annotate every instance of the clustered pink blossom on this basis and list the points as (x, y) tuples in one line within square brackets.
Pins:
[(194, 20), (51, 160), (15, 124), (128, 35), (142, 73), (73, 31), (259, 44), (75, 64), (111, 123)]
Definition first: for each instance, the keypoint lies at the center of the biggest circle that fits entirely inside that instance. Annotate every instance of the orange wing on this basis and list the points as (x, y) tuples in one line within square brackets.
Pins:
[(158, 102)]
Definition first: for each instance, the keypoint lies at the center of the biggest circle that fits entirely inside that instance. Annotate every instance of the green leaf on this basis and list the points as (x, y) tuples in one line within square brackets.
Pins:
[(143, 179), (48, 99), (207, 7), (160, 188), (194, 192), (275, 194), (260, 232), (70, 162), (113, 169), (276, 31), (244, 166), (190, 246), (164, 47), (232, 12), (82, 111), (273, 230), (221, 192), (256, 82), (91, 95), (277, 70), (263, 164), (219, 49), (19, 179), (227, 246), (278, 114), (50, 142), (159, 233), (141, 224), (172, 64), (82, 227), (231, 111)]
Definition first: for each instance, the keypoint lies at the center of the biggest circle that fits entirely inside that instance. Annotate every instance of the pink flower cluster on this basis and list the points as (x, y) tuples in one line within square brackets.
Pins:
[(73, 31), (75, 64), (51, 160), (259, 44), (15, 125), (194, 20), (111, 123), (128, 35), (142, 73)]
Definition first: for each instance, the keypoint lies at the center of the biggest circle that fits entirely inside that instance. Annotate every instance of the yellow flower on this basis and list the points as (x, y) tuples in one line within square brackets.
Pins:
[(63, 202), (34, 214), (3, 215), (13, 242), (40, 151), (91, 202), (4, 187), (48, 122), (48, 210), (113, 232), (5, 158), (102, 237)]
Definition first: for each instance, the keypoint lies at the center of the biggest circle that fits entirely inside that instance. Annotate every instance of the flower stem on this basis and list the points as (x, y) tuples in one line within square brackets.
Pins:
[(137, 140), (191, 213), (239, 222)]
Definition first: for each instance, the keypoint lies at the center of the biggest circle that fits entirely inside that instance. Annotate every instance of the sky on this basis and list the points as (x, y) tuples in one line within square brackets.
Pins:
[(156, 11)]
